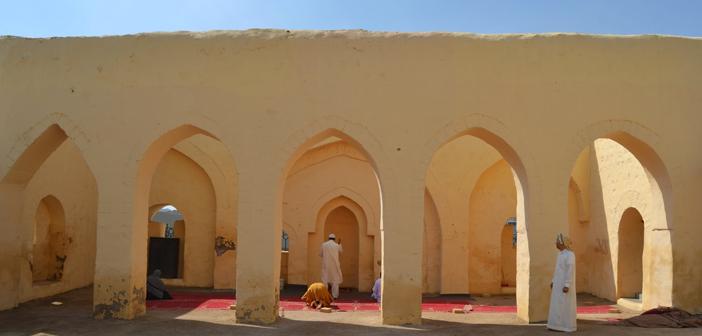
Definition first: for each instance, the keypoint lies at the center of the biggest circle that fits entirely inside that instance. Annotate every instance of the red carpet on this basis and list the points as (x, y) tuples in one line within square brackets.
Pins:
[(223, 301)]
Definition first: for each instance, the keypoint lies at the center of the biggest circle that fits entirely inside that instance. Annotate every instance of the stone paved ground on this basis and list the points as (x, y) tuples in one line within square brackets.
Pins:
[(73, 317)]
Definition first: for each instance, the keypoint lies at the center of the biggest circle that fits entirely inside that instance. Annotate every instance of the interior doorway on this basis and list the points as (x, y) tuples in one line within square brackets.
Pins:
[(631, 243), (343, 223)]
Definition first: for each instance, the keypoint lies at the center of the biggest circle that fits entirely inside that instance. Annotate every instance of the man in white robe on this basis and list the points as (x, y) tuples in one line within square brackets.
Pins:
[(331, 267), (377, 288), (562, 310)]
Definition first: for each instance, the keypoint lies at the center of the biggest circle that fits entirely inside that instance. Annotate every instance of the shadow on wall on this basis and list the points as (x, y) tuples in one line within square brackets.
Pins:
[(431, 254), (598, 265)]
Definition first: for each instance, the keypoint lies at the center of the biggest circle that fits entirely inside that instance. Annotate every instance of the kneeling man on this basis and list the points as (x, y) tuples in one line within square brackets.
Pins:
[(317, 296)]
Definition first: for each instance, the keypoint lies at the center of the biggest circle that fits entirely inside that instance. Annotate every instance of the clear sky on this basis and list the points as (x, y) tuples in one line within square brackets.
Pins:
[(43, 18)]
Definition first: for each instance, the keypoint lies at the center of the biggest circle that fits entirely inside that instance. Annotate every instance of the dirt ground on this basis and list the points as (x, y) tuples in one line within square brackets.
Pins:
[(73, 317)]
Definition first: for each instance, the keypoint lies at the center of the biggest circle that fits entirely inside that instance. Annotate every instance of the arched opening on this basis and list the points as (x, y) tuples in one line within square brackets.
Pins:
[(630, 260), (478, 182), (191, 169), (473, 181), (620, 251), (181, 181), (348, 221), (492, 201), (49, 245), (331, 186), (166, 242), (344, 225)]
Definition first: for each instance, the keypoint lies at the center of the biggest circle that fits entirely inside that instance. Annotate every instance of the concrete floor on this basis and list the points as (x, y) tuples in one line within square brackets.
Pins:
[(73, 317)]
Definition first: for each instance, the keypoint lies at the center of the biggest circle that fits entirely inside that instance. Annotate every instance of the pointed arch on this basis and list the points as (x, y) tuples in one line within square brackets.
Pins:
[(147, 163), (630, 248), (365, 270), (27, 156), (33, 156), (355, 135), (332, 126), (496, 134), (658, 258), (36, 144), (640, 141), (49, 243)]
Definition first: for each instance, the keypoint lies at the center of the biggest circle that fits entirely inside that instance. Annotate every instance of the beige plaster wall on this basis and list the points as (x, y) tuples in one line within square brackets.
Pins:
[(216, 160), (619, 182), (579, 226), (323, 174), (179, 181), (331, 161), (508, 257), (431, 257), (492, 202), (267, 95), (64, 176), (454, 170), (580, 234)]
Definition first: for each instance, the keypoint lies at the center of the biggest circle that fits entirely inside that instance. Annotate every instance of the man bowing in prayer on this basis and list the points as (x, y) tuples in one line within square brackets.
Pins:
[(562, 311), (155, 288), (331, 268)]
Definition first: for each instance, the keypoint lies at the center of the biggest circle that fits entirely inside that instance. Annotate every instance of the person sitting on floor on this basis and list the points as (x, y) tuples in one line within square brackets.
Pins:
[(317, 296), (155, 288), (376, 288)]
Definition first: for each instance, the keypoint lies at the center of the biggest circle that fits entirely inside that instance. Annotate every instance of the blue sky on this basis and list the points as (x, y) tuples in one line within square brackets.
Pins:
[(43, 18)]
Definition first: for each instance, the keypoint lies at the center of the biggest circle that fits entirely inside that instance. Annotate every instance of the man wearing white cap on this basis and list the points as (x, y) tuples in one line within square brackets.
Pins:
[(562, 311), (331, 268)]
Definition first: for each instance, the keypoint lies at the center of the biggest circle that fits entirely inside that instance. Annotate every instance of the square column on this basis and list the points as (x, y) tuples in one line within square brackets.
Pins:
[(119, 289), (258, 249), (402, 238)]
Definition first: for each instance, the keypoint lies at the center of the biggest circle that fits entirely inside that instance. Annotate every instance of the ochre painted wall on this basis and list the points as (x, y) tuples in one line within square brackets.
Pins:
[(580, 233), (267, 96), (322, 175), (65, 177), (618, 183), (451, 177), (492, 202), (179, 181), (216, 160), (431, 258), (508, 257)]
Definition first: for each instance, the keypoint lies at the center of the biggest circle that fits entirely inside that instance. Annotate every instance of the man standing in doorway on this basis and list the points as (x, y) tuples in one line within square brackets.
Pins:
[(562, 311), (331, 268)]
